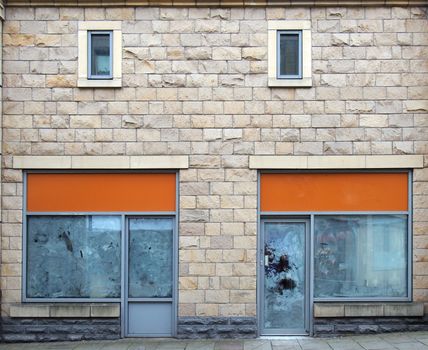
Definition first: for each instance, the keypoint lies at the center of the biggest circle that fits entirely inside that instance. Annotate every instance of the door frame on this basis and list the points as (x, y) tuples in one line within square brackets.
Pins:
[(125, 250), (308, 278)]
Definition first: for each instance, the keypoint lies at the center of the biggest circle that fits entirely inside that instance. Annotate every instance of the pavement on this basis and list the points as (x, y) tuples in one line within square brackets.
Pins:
[(390, 341)]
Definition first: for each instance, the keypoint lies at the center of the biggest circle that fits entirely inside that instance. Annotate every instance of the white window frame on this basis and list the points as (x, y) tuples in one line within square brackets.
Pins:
[(274, 30), (84, 77)]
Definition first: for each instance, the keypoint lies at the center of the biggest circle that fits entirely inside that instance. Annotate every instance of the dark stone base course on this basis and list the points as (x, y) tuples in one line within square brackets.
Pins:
[(216, 327), (56, 329), (325, 327)]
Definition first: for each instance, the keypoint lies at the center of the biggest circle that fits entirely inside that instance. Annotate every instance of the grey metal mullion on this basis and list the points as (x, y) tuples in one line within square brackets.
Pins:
[(343, 300), (325, 213), (123, 278), (262, 278), (311, 274), (284, 331), (111, 54), (307, 305), (410, 237), (126, 280), (72, 300), (150, 300), (259, 270), (175, 257), (24, 240), (100, 171), (103, 213), (89, 52), (332, 171)]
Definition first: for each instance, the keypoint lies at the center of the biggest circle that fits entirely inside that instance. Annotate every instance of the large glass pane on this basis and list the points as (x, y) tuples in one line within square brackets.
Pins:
[(284, 280), (360, 256), (100, 54), (73, 256), (150, 258), (289, 54)]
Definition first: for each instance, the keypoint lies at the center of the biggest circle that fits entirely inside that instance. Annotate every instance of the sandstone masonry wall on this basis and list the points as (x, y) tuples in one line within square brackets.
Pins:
[(195, 83)]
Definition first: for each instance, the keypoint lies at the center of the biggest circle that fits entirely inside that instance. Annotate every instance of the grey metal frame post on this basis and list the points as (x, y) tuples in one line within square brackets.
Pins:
[(172, 300)]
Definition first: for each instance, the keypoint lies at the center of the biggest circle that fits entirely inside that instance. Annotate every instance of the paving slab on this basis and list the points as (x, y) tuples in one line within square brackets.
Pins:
[(391, 341)]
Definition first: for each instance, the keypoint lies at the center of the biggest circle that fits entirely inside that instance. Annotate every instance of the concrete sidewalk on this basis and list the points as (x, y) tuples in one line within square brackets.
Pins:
[(396, 341)]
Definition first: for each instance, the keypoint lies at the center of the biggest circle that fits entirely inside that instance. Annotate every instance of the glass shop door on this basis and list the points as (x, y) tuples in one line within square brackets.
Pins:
[(284, 277), (149, 277)]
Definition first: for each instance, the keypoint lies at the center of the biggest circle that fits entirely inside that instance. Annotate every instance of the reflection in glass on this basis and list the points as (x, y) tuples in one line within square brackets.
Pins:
[(100, 54), (284, 280), (73, 256), (150, 257), (360, 256), (289, 54)]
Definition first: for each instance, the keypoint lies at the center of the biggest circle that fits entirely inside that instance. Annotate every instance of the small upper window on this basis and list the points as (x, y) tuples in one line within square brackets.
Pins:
[(289, 53), (100, 54)]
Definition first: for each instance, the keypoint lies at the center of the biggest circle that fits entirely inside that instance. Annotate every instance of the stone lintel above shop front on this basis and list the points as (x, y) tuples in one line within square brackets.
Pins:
[(100, 162), (65, 310), (338, 162), (322, 310)]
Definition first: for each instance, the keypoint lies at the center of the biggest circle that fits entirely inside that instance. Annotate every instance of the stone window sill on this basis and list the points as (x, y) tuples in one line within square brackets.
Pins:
[(322, 310), (65, 310), (274, 82), (87, 83)]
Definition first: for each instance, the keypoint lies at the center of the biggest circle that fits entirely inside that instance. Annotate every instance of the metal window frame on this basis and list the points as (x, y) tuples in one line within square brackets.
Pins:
[(174, 297), (24, 296), (124, 215), (94, 76), (307, 288), (278, 54), (263, 215)]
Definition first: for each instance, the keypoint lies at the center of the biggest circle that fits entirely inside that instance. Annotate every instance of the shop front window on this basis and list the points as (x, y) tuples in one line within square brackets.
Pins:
[(360, 256), (76, 256)]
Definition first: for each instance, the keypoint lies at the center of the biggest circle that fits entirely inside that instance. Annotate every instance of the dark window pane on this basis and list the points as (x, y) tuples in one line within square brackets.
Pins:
[(150, 258), (100, 54), (360, 256), (289, 54), (73, 256)]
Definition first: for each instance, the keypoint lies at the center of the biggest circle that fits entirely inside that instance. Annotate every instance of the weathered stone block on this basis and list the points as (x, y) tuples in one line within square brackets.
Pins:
[(107, 310), (70, 310), (29, 311), (364, 310)]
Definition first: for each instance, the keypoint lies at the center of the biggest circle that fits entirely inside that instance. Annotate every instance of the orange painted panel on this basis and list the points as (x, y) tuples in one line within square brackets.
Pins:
[(334, 192), (101, 192)]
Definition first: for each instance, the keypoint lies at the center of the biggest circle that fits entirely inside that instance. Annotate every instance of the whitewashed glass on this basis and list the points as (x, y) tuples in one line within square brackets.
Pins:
[(150, 258), (73, 256), (284, 277), (360, 256)]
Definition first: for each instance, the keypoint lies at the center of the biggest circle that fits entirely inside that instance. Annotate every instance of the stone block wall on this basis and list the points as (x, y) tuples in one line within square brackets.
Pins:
[(325, 327), (52, 329), (195, 83)]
